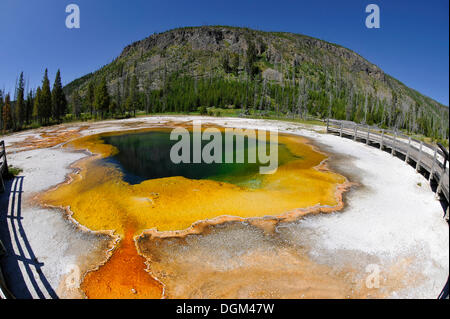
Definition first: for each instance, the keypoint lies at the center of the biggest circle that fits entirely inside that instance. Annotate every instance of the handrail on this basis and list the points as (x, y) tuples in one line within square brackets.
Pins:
[(431, 158), (351, 124), (444, 150), (3, 167), (388, 134), (4, 291)]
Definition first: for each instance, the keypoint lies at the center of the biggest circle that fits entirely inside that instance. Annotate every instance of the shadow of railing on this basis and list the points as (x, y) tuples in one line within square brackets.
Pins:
[(22, 270)]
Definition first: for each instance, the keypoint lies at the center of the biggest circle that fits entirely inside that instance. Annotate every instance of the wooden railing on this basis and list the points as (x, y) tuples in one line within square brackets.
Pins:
[(4, 292), (3, 165), (431, 158)]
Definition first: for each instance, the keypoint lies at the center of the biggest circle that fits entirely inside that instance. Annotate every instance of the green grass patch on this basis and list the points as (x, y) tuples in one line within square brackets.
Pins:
[(14, 171)]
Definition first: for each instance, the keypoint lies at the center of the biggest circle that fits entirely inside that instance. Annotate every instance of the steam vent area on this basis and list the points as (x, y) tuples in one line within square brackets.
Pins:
[(101, 210)]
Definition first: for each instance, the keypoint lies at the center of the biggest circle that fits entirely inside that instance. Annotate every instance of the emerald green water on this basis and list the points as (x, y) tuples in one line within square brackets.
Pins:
[(144, 156)]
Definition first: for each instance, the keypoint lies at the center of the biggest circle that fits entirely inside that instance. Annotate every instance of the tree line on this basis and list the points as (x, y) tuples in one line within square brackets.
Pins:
[(48, 105), (42, 106), (239, 85)]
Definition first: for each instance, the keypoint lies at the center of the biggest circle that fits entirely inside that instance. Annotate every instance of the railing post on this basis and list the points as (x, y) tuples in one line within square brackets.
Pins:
[(4, 152), (441, 178), (3, 168), (328, 123), (434, 163), (368, 135), (408, 150), (420, 157), (355, 132), (340, 134), (382, 139), (4, 291), (394, 144)]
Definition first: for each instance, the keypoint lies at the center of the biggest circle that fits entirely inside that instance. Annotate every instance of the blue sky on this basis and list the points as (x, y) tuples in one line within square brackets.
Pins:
[(412, 44)]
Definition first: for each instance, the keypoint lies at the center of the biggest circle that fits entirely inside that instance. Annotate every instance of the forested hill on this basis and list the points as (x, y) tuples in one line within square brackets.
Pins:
[(186, 69)]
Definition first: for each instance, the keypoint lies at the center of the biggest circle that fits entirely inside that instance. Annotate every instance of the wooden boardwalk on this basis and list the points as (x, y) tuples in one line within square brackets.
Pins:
[(432, 160)]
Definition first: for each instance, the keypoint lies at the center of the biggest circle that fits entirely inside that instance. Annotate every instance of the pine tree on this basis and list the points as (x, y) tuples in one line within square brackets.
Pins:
[(118, 99), (90, 96), (251, 69), (113, 107), (101, 99), (129, 104), (59, 102), (45, 102), (235, 64), (76, 104), (7, 116), (37, 109), (19, 106), (134, 94), (226, 63), (29, 107)]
